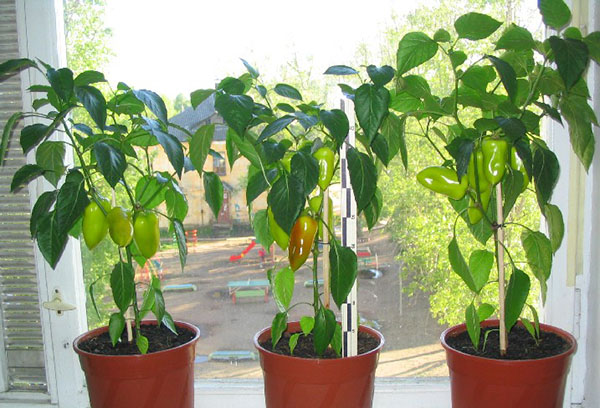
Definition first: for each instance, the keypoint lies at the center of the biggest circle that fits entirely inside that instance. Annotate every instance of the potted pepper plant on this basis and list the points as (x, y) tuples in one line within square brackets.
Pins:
[(294, 147), (131, 362), (493, 153)]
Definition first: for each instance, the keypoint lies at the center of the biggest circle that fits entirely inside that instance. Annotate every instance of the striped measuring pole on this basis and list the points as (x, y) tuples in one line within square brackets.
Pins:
[(348, 216)]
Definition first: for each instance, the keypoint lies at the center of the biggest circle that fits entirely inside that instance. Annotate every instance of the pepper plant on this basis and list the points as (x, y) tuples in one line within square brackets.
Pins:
[(293, 147), (113, 150), (492, 150)]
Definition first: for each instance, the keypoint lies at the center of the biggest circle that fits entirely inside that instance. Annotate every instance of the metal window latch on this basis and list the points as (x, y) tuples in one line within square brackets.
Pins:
[(57, 304)]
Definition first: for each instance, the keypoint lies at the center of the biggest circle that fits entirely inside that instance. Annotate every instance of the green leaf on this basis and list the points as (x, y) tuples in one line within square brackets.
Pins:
[(555, 13), (62, 82), (232, 86), (460, 149), (393, 130), (7, 133), (200, 95), (475, 26), (177, 204), (173, 149), (283, 288), (200, 146), (89, 77), (381, 149), (25, 175), (571, 57), (373, 210), (512, 186), (94, 102), (380, 75), (236, 110), (260, 225), (154, 102), (459, 266), (363, 177), (150, 191), (413, 50), (457, 58), (251, 70), (516, 296), (516, 38), (528, 326), (287, 91), (324, 329), (32, 135), (556, 225), (49, 239), (50, 155), (306, 168), (545, 173), (337, 123), (158, 308), (478, 77), (126, 104), (14, 66), (513, 128), (70, 202), (343, 271), (246, 147), (213, 190), (122, 285), (275, 127), (111, 162), (293, 342), (580, 117), (116, 325), (307, 323), (442, 35), (484, 311), (592, 41), (257, 183), (169, 323), (473, 327), (177, 226), (142, 343), (286, 200), (538, 250), (340, 70), (507, 74), (550, 111), (480, 265), (278, 326), (41, 209), (147, 301)]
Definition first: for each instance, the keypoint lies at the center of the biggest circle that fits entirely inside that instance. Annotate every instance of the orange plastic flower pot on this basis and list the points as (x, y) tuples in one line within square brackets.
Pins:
[(490, 383), (292, 382), (154, 380)]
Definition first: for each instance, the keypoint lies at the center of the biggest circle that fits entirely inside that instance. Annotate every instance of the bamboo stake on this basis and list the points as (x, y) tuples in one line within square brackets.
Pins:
[(326, 265), (501, 275)]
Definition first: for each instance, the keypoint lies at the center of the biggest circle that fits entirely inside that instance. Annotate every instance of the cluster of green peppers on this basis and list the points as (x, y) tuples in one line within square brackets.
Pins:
[(486, 168)]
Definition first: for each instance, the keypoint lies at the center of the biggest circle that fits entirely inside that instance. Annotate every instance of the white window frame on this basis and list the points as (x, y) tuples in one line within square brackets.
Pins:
[(572, 306)]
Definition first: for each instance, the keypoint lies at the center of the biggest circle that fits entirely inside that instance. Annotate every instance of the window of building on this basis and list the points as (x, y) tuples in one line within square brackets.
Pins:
[(219, 166)]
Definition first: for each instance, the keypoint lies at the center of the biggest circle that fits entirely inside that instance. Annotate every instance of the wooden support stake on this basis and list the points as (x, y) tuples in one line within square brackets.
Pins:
[(326, 265), (501, 275)]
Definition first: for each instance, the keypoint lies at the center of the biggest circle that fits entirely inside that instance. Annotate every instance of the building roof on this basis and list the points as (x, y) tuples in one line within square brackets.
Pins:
[(191, 119)]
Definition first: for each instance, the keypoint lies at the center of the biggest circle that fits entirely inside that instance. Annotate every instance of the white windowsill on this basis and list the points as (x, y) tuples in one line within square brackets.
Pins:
[(389, 392)]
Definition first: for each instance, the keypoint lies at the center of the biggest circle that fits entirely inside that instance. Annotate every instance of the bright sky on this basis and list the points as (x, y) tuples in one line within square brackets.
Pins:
[(178, 46)]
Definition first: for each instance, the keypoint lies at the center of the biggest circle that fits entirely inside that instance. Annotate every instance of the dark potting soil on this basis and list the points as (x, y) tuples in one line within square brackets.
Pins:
[(159, 338), (305, 348), (521, 345)]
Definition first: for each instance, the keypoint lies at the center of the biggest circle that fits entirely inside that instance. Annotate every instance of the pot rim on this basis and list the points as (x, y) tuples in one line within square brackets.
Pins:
[(366, 329), (491, 322), (102, 329)]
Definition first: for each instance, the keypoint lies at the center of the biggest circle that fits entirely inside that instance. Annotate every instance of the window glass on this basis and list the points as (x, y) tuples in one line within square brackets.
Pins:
[(404, 278)]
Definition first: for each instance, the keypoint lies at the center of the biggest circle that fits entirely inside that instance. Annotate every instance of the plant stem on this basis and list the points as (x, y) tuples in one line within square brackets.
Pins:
[(499, 238), (315, 276)]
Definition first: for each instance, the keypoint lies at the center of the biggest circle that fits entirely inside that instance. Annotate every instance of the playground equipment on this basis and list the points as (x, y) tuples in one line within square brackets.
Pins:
[(261, 253)]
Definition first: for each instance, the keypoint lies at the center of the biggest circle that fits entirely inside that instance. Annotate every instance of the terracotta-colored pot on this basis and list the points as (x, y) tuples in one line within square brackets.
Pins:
[(292, 382), (154, 380), (490, 383)]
